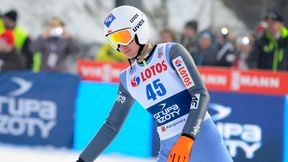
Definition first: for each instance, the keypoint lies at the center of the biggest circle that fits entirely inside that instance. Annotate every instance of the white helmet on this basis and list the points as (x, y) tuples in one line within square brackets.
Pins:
[(130, 18)]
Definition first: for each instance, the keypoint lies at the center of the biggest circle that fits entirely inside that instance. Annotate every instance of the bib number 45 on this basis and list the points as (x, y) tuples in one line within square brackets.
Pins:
[(154, 89)]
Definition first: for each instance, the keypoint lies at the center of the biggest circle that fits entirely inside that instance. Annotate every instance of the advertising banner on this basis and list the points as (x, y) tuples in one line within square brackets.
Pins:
[(257, 82), (37, 109), (251, 125), (100, 71), (218, 79)]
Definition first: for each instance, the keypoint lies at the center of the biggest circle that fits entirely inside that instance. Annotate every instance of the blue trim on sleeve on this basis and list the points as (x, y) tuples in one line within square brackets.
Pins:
[(167, 51), (123, 79), (168, 47)]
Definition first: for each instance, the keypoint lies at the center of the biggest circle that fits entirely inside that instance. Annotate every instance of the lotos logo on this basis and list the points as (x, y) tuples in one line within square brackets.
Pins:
[(109, 20), (149, 72), (178, 63), (183, 72), (135, 81), (153, 70)]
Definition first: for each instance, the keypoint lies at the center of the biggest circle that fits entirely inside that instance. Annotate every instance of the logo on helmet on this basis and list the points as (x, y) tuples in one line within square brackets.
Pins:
[(109, 20), (138, 25), (133, 18), (135, 81)]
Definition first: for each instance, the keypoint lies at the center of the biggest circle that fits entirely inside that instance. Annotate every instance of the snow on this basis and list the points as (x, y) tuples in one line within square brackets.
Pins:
[(38, 154)]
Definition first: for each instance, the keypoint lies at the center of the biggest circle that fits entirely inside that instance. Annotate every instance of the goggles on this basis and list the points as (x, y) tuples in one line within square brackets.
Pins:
[(120, 37)]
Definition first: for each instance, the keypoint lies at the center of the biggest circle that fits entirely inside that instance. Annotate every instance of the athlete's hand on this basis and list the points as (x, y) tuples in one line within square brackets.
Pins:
[(180, 152)]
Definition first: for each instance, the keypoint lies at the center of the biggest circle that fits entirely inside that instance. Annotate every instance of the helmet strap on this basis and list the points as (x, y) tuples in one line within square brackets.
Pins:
[(130, 63), (141, 46)]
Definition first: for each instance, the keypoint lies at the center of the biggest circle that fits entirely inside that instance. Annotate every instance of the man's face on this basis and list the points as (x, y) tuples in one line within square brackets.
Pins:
[(189, 32), (274, 26), (130, 50), (8, 23), (205, 43)]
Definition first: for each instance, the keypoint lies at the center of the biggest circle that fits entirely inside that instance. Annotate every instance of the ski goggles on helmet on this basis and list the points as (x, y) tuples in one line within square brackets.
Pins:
[(120, 37)]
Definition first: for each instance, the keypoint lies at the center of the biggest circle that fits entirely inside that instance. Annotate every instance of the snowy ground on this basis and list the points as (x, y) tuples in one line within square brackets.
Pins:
[(27, 154)]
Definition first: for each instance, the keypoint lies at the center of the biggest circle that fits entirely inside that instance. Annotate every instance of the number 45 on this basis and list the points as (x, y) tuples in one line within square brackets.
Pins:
[(154, 89)]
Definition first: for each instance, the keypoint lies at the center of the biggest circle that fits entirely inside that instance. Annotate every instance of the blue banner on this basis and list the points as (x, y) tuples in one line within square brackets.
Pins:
[(252, 125), (37, 109)]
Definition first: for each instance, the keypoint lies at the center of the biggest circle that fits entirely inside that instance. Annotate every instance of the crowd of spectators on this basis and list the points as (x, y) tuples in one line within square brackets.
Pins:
[(266, 47), (48, 52)]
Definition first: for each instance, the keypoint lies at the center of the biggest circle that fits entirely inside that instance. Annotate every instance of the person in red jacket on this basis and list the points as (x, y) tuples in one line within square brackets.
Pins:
[(10, 59)]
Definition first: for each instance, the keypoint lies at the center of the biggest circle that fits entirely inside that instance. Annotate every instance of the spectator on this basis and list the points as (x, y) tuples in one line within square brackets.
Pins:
[(243, 49), (167, 35), (22, 40), (205, 55), (260, 29), (10, 59), (108, 54), (55, 45), (271, 50), (226, 54), (189, 37)]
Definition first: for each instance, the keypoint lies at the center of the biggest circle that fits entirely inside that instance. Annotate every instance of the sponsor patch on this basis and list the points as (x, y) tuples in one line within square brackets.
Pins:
[(163, 129), (121, 98), (195, 101), (109, 20), (196, 128), (135, 81), (182, 70)]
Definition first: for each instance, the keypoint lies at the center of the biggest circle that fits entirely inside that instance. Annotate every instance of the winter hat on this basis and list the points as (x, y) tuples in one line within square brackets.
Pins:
[(261, 26), (7, 36), (12, 15), (274, 16), (206, 35), (192, 24)]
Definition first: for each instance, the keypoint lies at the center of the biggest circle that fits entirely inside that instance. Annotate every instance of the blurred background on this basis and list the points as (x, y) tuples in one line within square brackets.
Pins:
[(58, 76)]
